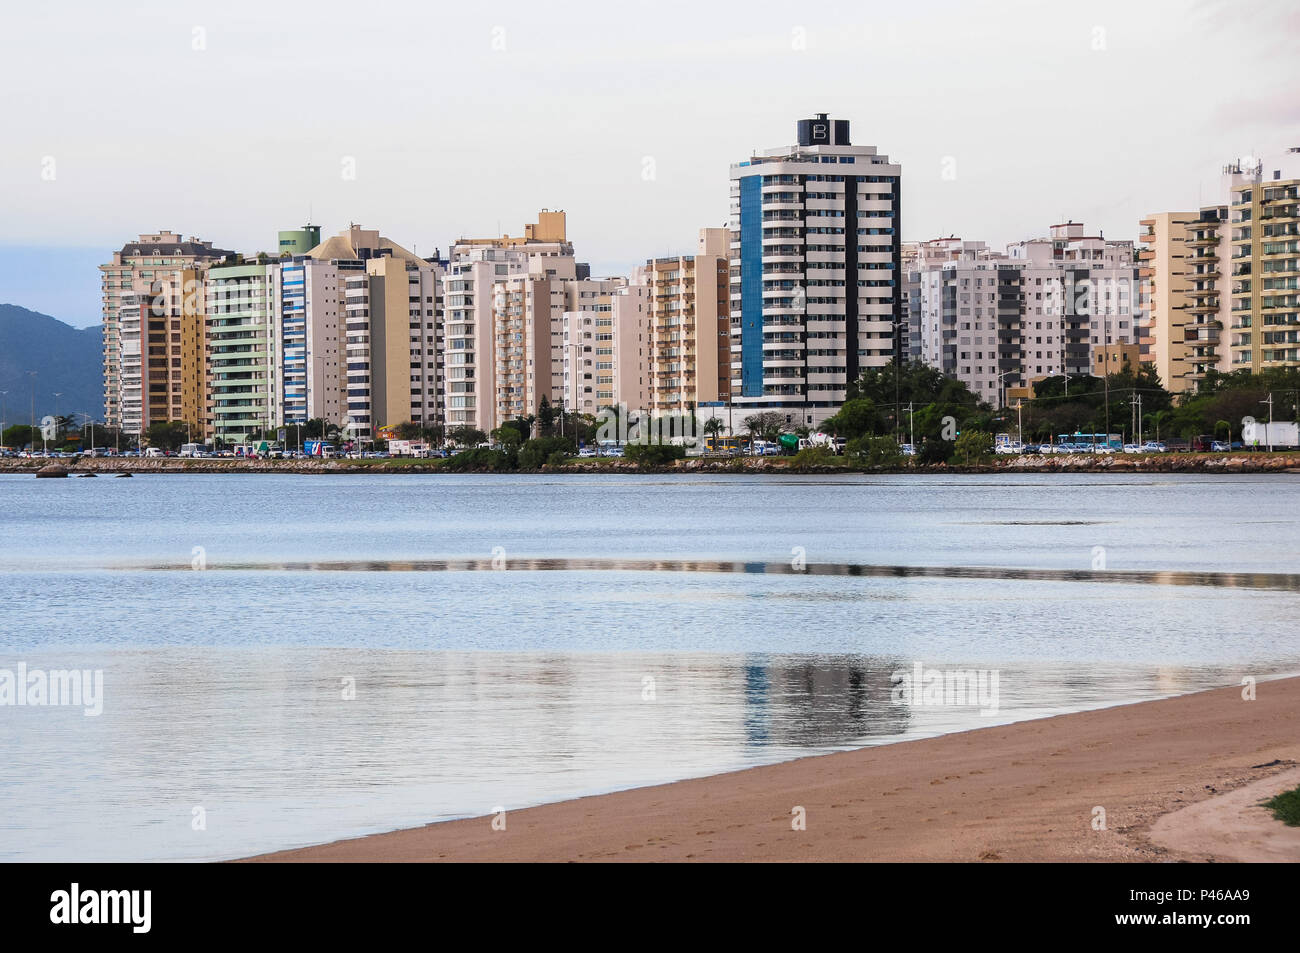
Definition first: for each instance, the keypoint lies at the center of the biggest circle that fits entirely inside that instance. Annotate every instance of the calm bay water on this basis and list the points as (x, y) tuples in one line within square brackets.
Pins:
[(515, 640)]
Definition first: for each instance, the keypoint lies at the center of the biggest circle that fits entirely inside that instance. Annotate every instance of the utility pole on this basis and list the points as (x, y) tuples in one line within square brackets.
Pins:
[(897, 402), (1106, 387), (1020, 423), (911, 426), (1270, 420), (32, 374)]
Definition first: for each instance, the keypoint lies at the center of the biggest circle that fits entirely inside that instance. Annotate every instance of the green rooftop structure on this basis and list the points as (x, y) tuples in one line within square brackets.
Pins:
[(299, 241)]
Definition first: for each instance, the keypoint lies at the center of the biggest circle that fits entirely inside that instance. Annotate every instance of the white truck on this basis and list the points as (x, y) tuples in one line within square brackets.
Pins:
[(1280, 435), (820, 439)]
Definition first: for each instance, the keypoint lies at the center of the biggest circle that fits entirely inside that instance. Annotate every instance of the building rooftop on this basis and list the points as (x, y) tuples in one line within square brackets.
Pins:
[(358, 243), (193, 247)]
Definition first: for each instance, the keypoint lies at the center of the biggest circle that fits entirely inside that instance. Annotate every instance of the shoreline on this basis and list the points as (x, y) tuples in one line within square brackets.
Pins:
[(1025, 792), (1221, 463)]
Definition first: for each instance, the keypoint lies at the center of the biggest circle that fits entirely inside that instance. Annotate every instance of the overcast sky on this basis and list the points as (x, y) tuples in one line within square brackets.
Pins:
[(231, 121)]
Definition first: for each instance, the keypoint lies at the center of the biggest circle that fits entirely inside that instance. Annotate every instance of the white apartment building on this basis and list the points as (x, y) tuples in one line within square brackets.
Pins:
[(307, 300), (816, 276), (486, 288), (996, 321), (130, 332), (469, 357)]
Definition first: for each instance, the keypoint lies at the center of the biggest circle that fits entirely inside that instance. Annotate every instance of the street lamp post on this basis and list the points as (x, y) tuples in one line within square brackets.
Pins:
[(90, 422), (898, 350), (1002, 399)]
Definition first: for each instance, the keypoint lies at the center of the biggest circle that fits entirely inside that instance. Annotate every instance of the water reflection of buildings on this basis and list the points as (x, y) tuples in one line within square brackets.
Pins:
[(823, 702)]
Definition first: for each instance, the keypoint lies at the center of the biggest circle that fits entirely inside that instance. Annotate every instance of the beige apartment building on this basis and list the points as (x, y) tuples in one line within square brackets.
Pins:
[(392, 326), (529, 315), (194, 384), (633, 347), (1220, 285), (1164, 297), (150, 265), (162, 362), (1204, 261), (690, 325), (1110, 359)]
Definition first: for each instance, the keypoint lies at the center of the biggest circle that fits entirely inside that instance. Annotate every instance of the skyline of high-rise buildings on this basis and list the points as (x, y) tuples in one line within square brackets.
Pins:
[(810, 285)]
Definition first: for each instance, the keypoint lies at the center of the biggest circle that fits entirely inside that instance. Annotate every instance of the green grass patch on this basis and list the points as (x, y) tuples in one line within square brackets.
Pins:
[(1286, 807)]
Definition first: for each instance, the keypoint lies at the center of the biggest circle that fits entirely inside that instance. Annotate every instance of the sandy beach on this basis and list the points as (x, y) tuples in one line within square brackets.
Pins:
[(1175, 779)]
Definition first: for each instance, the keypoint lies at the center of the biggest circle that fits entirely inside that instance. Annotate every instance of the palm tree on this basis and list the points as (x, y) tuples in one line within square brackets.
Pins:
[(1155, 419), (712, 427), (1228, 428)]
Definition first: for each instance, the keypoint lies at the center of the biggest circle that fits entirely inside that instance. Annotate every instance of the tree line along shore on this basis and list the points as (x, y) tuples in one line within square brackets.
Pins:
[(904, 418)]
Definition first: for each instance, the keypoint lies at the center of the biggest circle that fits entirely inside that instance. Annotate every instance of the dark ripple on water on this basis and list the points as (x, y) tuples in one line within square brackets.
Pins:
[(1227, 580)]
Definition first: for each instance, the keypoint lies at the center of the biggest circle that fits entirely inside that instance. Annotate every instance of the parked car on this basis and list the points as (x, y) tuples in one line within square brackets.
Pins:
[(1154, 446), (1132, 448), (1219, 446)]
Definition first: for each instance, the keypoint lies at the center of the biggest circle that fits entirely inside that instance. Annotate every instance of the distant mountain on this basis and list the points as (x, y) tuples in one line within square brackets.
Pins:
[(67, 361)]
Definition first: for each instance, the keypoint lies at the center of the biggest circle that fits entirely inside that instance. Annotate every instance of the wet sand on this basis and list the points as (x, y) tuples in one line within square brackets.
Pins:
[(1024, 792)]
